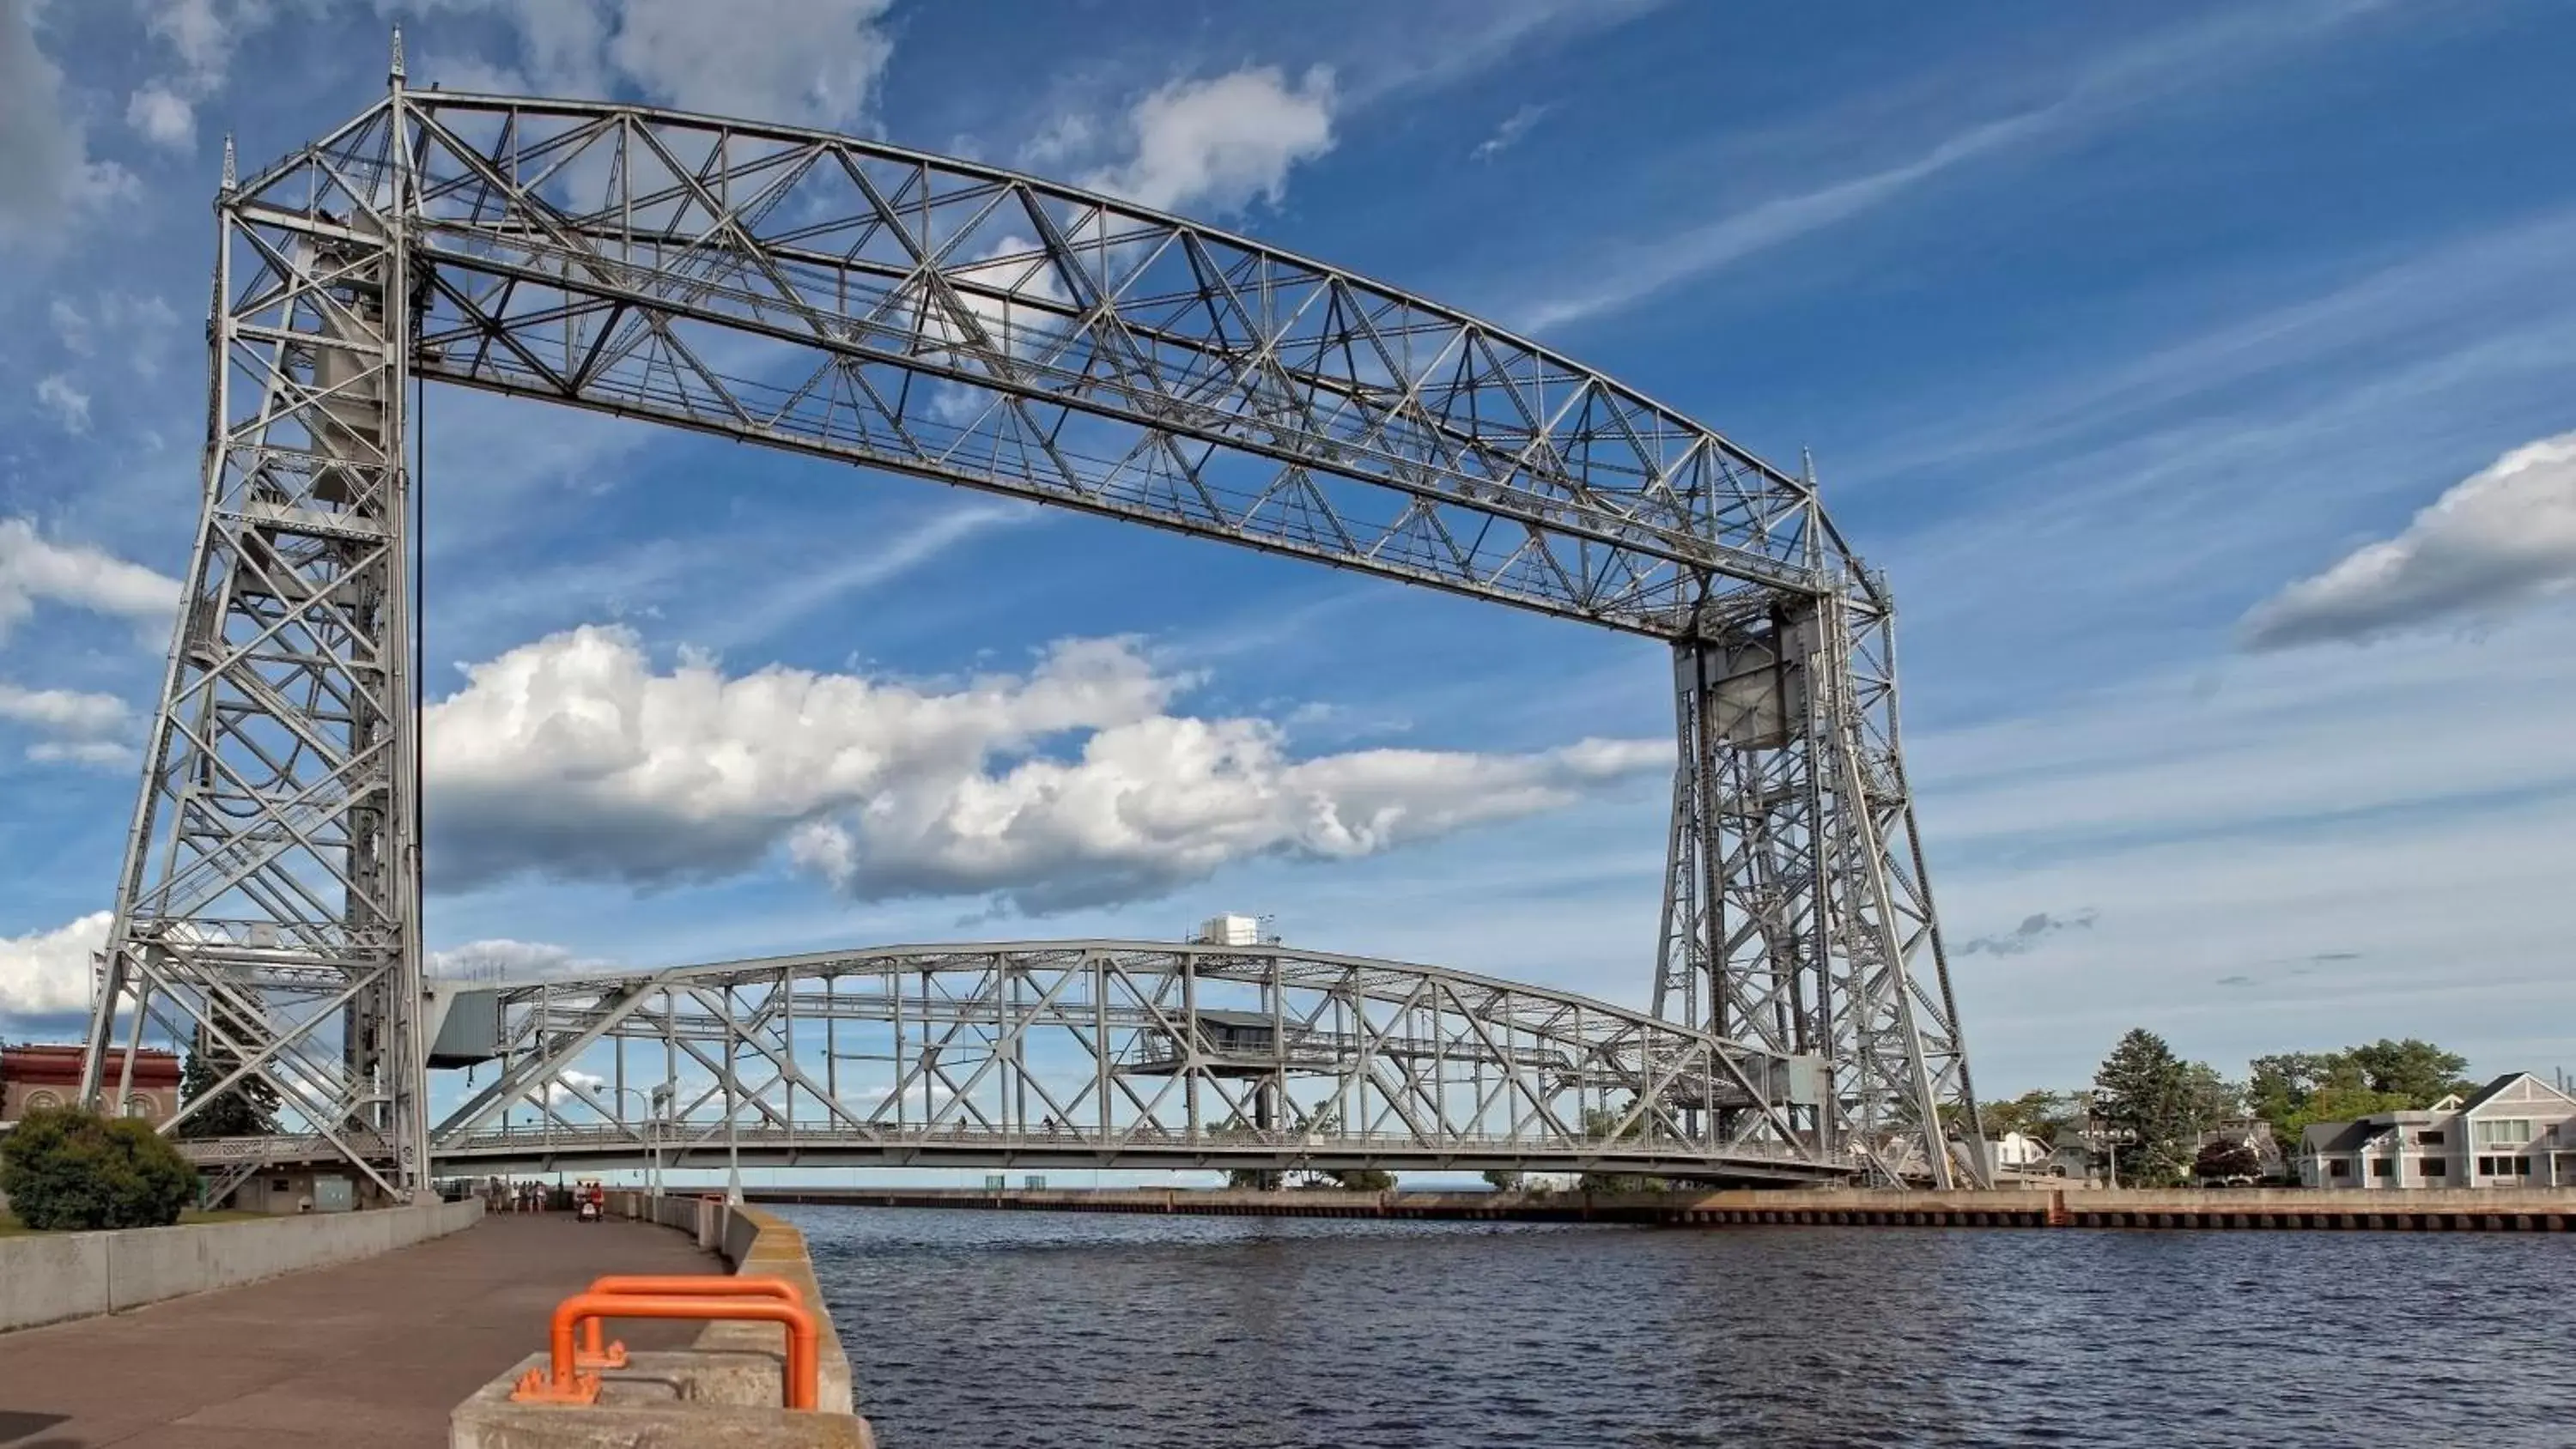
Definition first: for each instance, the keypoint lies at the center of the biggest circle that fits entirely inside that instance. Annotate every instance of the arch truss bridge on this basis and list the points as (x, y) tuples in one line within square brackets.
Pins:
[(870, 305), (1093, 1054)]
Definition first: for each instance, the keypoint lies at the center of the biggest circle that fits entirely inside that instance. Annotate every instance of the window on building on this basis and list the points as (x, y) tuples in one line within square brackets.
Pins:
[(2383, 1167), (2431, 1138), (2432, 1167), (2338, 1168), (2502, 1132), (2521, 1166), (42, 1101), (138, 1106)]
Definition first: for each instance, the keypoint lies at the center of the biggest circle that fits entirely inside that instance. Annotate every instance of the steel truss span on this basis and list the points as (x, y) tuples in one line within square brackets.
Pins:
[(860, 302), (1101, 1054)]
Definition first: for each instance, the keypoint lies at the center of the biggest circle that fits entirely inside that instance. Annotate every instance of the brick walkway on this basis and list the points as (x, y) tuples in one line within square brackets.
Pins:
[(373, 1353)]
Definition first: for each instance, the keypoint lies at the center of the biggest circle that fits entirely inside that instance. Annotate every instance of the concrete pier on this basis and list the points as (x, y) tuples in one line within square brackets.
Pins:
[(376, 1352)]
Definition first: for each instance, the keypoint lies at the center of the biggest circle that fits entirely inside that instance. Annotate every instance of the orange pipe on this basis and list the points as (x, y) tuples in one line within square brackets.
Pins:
[(597, 1354), (800, 1386)]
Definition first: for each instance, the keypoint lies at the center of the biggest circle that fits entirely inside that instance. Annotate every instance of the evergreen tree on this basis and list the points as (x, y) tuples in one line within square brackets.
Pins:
[(2145, 1096), (247, 1109)]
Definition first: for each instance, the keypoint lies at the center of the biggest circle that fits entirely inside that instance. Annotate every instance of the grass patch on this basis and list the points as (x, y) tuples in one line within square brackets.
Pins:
[(10, 1227)]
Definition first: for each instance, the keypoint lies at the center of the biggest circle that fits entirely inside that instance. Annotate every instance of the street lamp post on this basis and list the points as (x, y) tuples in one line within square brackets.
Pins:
[(657, 1104)]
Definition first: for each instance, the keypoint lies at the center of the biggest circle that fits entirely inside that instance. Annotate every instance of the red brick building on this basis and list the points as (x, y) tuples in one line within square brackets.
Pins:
[(49, 1076)]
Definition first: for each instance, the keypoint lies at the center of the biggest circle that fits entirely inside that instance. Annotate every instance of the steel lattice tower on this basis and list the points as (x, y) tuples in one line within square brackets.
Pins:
[(269, 906), (858, 302)]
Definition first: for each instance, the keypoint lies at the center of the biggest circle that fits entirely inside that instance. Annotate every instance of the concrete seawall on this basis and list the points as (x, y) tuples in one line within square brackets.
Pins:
[(723, 1389), (50, 1277), (2534, 1210)]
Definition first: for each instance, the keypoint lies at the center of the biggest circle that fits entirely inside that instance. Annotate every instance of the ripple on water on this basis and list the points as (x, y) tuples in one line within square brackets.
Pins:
[(994, 1330)]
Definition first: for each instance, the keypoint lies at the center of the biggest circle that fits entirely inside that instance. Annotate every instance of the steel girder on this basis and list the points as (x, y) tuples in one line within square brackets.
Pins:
[(1117, 1054), (862, 302), (267, 913)]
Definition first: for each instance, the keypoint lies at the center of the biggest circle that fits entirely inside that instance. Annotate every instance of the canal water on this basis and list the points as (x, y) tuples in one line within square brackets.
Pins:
[(979, 1330)]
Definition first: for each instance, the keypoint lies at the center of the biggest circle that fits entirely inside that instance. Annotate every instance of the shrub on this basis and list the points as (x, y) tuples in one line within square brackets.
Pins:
[(66, 1168)]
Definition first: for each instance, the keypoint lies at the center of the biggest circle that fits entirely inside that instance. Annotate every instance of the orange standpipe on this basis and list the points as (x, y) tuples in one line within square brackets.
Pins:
[(595, 1355), (567, 1384)]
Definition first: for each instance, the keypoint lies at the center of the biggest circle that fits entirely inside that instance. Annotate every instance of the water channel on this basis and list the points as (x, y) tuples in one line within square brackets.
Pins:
[(978, 1330)]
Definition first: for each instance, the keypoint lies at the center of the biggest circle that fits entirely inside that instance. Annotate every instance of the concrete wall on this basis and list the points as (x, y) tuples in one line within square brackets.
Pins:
[(723, 1389), (49, 1277)]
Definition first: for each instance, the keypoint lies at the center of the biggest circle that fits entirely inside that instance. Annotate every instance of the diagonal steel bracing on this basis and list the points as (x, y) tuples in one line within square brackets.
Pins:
[(1116, 1053), (860, 302)]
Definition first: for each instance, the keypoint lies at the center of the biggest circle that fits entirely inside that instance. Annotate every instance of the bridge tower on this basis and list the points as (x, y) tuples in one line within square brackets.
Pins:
[(1796, 911), (269, 906), (993, 331)]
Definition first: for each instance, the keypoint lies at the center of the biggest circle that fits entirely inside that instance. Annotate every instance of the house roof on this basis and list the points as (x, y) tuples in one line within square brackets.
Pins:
[(2337, 1136), (2494, 1089)]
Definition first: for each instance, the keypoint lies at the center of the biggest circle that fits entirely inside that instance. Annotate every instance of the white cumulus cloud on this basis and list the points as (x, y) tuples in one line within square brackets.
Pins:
[(163, 116), (804, 62), (2504, 536), (33, 569), (62, 711), (1073, 784), (47, 973), (90, 754), (1217, 144)]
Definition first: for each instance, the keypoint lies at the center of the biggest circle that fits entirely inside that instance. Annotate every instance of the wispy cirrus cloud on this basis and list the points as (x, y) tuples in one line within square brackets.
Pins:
[(2093, 94)]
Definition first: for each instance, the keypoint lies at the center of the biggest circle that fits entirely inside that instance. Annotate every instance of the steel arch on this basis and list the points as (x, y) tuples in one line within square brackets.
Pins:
[(862, 302), (1111, 1053)]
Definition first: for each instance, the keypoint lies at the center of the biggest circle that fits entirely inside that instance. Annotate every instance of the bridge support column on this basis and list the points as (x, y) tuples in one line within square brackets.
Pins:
[(1796, 913), (268, 911)]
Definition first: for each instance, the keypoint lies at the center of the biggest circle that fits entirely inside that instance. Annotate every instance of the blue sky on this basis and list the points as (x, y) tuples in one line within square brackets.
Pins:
[(2192, 370)]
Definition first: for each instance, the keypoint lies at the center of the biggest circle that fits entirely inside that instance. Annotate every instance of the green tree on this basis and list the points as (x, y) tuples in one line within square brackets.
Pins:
[(2293, 1090), (246, 1109), (66, 1168), (2214, 1099), (1362, 1179), (2038, 1114), (1502, 1179), (2416, 1070), (2145, 1096), (1603, 1122)]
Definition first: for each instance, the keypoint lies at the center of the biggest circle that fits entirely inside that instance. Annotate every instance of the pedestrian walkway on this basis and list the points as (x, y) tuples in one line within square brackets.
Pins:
[(372, 1353)]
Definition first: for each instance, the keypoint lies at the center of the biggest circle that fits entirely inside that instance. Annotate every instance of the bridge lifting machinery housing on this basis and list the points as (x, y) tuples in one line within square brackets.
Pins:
[(910, 313)]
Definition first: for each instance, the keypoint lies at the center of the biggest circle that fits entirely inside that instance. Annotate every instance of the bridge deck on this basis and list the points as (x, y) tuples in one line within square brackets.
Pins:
[(374, 1352)]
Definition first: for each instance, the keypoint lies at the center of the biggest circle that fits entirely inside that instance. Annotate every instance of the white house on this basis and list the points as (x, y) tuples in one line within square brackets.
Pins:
[(2516, 1131), (2017, 1152)]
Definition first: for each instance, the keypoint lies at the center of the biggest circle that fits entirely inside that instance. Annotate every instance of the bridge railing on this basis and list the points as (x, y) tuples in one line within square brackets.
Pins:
[(1145, 1139)]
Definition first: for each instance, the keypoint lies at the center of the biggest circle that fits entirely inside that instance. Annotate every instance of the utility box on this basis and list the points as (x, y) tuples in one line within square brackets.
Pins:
[(1230, 931), (334, 1194)]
